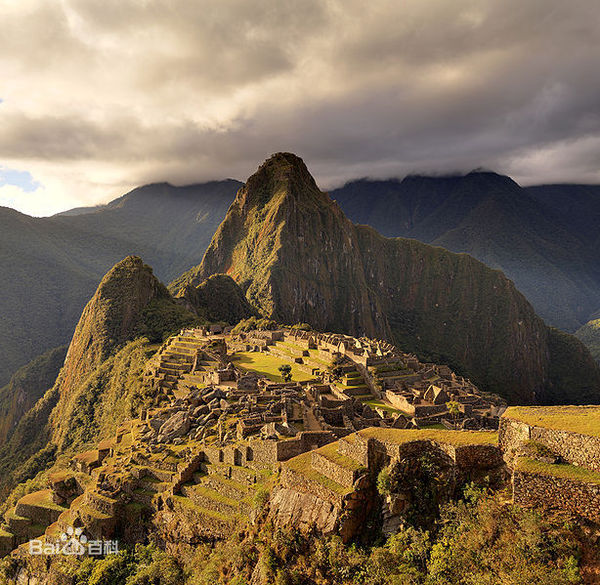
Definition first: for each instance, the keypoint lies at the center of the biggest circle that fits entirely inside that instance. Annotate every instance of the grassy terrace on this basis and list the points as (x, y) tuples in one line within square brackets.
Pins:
[(302, 464), (384, 406), (315, 357), (578, 419), (295, 350), (211, 494), (560, 470), (12, 515), (61, 475), (187, 503), (219, 468), (268, 366), (41, 499), (330, 452), (232, 483), (457, 438), (87, 456), (92, 512)]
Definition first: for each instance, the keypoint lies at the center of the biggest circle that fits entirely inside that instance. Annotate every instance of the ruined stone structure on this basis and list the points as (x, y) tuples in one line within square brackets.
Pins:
[(553, 467), (333, 488), (189, 466), (367, 368)]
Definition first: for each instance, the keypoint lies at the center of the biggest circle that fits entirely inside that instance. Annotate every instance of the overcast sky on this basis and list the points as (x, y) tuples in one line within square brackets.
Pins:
[(99, 96)]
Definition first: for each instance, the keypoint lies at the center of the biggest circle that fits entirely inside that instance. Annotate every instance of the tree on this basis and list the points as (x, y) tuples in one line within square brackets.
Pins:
[(286, 372), (454, 409)]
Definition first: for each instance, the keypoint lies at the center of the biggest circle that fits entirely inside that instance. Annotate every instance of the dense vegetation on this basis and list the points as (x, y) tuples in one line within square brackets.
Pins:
[(590, 335), (100, 384), (110, 394), (253, 324), (26, 387), (218, 299), (477, 541), (566, 363)]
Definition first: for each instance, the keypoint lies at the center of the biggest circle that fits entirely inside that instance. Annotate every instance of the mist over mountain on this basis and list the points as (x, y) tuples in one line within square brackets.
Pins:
[(544, 238)]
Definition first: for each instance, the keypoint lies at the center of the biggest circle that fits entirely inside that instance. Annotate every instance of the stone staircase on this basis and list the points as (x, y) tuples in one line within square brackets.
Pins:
[(181, 364), (353, 385), (215, 497)]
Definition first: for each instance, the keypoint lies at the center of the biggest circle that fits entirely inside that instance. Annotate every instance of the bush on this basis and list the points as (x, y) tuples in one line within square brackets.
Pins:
[(260, 499), (255, 324), (384, 482), (286, 372)]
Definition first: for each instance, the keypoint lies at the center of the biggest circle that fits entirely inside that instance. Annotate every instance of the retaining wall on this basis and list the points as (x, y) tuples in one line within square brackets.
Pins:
[(535, 489), (582, 450)]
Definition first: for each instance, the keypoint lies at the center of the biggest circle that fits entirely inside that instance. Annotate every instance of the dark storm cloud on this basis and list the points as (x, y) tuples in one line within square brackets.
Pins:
[(132, 91)]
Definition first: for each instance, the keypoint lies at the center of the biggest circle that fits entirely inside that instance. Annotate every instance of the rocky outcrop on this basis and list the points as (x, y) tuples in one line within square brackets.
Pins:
[(217, 299), (176, 426), (333, 488), (292, 251), (299, 259)]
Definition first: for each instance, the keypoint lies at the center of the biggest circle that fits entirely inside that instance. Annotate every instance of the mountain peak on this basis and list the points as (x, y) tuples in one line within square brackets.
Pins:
[(286, 164), (283, 174), (130, 302), (112, 315)]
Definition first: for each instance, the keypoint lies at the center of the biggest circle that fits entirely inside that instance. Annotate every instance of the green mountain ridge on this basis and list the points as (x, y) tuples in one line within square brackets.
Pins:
[(97, 385), (101, 382), (51, 266), (299, 259), (543, 245), (27, 386), (123, 308)]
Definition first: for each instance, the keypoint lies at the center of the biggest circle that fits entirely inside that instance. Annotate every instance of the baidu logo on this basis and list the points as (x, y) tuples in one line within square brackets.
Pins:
[(74, 542)]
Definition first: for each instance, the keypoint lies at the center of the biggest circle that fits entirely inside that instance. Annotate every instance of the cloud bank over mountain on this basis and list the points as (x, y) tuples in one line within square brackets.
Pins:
[(99, 97)]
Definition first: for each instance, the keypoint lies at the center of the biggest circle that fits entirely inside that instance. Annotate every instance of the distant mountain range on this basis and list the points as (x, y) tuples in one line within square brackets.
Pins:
[(544, 238), (51, 266), (284, 250)]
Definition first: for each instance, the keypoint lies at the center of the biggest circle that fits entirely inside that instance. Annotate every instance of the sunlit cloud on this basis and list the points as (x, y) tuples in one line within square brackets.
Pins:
[(98, 97)]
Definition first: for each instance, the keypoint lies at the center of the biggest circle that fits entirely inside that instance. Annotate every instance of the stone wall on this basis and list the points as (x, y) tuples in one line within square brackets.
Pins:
[(102, 504), (343, 475), (38, 514), (581, 450), (578, 497), (303, 510), (306, 441), (300, 483), (264, 452), (400, 402), (477, 456)]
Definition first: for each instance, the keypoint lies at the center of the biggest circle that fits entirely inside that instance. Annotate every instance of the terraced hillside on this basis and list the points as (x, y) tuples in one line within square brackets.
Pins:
[(334, 487)]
